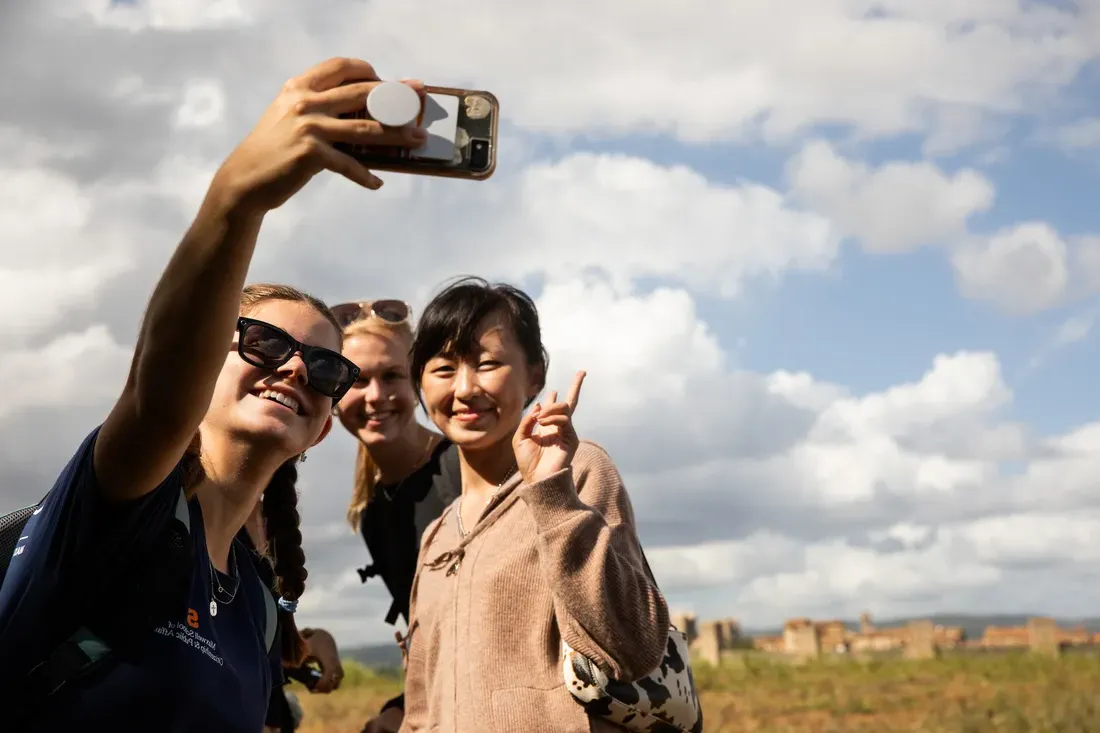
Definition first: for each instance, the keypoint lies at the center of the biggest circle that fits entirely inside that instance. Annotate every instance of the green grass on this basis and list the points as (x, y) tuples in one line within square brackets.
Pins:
[(996, 693)]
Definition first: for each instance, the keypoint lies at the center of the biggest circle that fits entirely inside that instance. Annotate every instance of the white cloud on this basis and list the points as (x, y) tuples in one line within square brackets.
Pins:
[(76, 369), (1077, 135), (177, 15), (1023, 269), (727, 71), (624, 217), (203, 104), (893, 208), (1073, 330)]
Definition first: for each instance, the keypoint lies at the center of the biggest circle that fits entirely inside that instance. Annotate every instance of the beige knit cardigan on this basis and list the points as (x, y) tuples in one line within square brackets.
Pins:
[(558, 559)]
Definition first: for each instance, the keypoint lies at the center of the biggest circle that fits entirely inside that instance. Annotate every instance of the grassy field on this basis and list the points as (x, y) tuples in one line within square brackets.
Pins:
[(1012, 693)]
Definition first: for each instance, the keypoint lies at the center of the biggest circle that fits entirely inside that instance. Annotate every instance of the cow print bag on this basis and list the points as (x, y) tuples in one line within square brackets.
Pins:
[(664, 701)]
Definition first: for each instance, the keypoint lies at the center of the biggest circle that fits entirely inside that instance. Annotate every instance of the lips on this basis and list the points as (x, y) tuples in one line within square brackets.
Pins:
[(469, 416), (377, 418)]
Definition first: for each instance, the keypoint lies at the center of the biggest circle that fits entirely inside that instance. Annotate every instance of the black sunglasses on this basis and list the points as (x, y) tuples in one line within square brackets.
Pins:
[(267, 346)]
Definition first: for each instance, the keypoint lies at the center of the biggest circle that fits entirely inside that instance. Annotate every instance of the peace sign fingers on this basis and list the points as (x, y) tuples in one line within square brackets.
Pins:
[(552, 407), (575, 391), (546, 440)]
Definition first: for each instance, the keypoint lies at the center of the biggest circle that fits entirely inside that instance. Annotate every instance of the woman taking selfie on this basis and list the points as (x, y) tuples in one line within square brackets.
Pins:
[(405, 474), (229, 386), (539, 549)]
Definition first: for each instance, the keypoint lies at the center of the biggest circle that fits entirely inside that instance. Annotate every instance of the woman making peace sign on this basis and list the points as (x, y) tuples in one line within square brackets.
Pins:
[(540, 548)]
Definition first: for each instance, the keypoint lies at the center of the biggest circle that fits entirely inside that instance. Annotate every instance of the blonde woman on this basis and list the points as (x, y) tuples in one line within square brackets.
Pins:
[(405, 473)]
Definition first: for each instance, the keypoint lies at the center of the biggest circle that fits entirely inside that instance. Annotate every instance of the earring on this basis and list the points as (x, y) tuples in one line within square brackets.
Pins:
[(336, 411), (302, 458)]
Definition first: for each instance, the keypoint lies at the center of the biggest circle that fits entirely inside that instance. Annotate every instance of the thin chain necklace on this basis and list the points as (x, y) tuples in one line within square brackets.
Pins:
[(427, 452), (219, 593), (458, 502)]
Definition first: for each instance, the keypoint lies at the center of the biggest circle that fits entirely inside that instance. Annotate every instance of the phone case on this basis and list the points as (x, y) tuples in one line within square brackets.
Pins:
[(475, 138)]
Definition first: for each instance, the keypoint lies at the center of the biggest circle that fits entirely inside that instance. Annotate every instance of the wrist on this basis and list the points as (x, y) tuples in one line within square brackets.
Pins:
[(230, 201), (551, 500)]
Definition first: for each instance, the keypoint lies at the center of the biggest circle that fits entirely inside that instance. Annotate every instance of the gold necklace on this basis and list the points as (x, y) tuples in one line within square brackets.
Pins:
[(458, 501)]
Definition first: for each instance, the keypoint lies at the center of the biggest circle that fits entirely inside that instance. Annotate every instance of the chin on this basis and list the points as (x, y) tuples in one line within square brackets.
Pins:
[(371, 438), (468, 439), (288, 435)]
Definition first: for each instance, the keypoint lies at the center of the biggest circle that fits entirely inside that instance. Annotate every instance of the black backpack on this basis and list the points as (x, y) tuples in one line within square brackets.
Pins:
[(84, 651)]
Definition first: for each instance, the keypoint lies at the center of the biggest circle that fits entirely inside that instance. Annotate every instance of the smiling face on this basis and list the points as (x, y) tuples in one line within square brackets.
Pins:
[(381, 404), (477, 398), (275, 409)]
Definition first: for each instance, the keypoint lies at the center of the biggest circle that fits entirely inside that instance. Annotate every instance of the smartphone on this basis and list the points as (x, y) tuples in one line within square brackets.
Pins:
[(462, 137), (307, 675)]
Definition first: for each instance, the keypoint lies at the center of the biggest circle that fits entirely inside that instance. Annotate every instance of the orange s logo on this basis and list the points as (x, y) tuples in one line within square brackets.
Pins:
[(192, 618)]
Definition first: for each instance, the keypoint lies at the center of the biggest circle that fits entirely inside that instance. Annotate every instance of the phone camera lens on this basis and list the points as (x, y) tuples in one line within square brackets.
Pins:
[(479, 154)]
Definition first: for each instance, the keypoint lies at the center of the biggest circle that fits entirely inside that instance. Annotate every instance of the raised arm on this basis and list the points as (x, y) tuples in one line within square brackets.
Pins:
[(608, 607), (189, 320)]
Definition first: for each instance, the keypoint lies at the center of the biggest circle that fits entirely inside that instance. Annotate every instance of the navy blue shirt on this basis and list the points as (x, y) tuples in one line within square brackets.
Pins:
[(77, 557)]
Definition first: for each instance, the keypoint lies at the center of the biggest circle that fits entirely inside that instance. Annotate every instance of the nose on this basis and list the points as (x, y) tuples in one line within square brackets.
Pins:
[(373, 392), (295, 369), (466, 382)]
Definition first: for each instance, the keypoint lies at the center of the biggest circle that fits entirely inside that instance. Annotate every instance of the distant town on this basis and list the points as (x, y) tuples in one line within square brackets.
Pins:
[(803, 638)]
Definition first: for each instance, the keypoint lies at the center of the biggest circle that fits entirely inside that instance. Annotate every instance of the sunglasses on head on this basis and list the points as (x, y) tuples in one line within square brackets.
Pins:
[(390, 311), (269, 347)]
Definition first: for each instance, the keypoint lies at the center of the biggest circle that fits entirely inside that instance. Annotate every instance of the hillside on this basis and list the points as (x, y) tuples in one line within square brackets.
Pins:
[(375, 656)]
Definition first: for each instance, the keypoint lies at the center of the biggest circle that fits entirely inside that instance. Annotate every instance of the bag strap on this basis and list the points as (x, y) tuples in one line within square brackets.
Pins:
[(81, 653), (271, 618), (265, 573)]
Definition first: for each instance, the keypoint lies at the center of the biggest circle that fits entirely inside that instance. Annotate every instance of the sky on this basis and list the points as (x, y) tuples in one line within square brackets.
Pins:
[(831, 266)]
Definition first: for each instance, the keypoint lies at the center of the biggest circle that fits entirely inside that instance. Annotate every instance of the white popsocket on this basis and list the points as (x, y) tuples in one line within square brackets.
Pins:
[(393, 104)]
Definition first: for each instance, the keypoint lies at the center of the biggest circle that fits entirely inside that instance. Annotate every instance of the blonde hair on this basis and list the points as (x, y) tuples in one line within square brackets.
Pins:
[(366, 470)]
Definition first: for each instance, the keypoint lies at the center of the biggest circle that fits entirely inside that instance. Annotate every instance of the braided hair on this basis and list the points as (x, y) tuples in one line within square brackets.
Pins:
[(284, 537)]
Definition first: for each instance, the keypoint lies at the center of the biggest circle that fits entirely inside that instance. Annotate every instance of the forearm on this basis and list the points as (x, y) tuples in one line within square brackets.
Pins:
[(190, 317), (608, 609)]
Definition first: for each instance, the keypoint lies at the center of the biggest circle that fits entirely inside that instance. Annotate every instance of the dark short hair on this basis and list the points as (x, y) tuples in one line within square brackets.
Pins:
[(448, 325)]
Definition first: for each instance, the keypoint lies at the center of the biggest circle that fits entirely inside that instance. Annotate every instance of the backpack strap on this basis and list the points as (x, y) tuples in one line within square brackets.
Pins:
[(266, 573), (271, 618), (84, 651)]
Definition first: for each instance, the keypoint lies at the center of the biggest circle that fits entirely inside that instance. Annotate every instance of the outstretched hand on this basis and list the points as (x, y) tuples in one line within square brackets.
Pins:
[(293, 141), (546, 440)]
